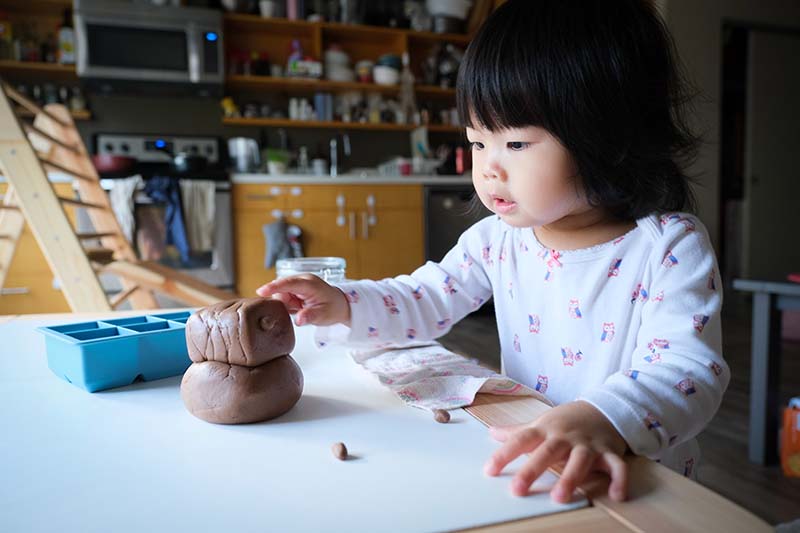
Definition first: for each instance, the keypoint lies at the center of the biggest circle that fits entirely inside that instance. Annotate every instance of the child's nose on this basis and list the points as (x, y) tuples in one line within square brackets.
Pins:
[(492, 170)]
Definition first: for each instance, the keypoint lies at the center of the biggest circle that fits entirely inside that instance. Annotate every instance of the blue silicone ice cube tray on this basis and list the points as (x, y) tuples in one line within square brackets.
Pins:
[(104, 354)]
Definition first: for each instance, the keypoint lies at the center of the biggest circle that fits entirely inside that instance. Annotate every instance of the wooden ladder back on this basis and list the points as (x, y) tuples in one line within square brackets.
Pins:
[(52, 142)]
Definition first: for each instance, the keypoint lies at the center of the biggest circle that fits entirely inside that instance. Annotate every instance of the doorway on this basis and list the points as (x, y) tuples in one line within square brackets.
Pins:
[(760, 140)]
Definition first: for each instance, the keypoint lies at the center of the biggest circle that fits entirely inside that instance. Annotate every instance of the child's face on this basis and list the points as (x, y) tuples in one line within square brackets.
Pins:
[(525, 176)]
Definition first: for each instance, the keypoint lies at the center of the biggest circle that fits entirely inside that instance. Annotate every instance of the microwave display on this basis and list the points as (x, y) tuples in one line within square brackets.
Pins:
[(138, 48)]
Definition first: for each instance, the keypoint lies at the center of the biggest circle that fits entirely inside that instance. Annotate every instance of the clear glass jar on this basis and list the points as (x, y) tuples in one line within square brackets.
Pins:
[(331, 269)]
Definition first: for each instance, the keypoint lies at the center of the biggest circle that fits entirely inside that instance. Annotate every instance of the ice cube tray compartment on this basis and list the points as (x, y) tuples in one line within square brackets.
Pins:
[(104, 354)]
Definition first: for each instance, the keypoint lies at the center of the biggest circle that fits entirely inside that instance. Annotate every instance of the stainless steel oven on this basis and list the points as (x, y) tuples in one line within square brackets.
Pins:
[(142, 43), (147, 215)]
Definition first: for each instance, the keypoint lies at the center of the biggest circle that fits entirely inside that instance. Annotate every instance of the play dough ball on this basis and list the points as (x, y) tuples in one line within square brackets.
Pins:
[(339, 451), (441, 416), (233, 394)]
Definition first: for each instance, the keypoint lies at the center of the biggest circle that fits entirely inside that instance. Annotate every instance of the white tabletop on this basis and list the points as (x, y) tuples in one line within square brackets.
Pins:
[(133, 459)]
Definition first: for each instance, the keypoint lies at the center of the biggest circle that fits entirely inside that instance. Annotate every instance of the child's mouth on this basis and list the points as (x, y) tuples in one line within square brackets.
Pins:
[(503, 206)]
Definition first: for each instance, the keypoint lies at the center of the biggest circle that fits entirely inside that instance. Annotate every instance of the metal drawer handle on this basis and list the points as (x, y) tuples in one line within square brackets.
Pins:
[(6, 291), (260, 196), (352, 225)]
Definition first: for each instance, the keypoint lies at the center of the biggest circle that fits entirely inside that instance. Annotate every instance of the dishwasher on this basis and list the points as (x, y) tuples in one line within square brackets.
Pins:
[(449, 211)]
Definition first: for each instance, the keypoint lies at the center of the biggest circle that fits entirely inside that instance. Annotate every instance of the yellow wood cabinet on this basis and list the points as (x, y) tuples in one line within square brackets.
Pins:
[(30, 286), (377, 229)]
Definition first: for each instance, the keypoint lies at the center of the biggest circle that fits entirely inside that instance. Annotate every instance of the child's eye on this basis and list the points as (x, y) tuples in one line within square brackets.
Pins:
[(476, 145), (516, 145)]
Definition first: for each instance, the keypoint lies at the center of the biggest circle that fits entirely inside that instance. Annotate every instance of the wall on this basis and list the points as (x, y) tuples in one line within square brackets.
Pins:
[(697, 29)]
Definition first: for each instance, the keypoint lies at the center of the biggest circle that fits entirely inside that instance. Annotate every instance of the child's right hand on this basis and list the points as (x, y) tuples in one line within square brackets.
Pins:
[(310, 298)]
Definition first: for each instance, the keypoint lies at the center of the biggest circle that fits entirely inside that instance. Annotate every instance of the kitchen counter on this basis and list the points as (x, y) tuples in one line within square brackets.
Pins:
[(348, 179), (133, 459), (344, 179)]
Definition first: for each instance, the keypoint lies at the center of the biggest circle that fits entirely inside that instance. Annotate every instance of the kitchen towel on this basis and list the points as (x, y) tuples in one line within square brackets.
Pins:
[(282, 241), (199, 208), (429, 376), (121, 197), (165, 189)]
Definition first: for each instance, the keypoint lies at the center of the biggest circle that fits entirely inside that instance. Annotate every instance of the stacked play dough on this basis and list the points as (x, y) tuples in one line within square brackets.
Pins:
[(242, 371)]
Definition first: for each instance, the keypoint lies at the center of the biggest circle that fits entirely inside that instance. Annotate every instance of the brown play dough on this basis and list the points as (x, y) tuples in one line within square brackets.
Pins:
[(242, 372), (247, 331), (441, 416), (339, 451), (234, 394)]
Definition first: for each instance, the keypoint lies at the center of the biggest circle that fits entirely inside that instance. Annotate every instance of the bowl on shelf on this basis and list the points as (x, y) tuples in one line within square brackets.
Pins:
[(445, 24), (384, 75), (340, 73), (335, 56), (239, 6), (390, 60), (458, 9)]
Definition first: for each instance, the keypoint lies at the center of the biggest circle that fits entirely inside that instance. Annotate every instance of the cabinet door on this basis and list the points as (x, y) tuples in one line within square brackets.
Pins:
[(393, 246), (322, 236)]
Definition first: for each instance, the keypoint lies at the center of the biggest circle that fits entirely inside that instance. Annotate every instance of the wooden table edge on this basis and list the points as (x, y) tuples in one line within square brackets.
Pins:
[(658, 498)]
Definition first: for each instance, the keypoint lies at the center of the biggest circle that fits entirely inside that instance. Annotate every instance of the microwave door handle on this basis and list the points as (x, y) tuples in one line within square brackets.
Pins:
[(193, 53), (82, 59)]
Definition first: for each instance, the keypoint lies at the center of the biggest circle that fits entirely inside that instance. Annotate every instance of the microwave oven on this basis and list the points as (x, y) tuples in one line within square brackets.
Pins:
[(126, 42)]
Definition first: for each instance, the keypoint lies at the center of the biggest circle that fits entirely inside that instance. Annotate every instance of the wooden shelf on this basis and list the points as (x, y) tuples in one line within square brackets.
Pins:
[(271, 36), (37, 7), (39, 68), (315, 85), (304, 84), (292, 28), (431, 37), (76, 115), (254, 22), (432, 91), (285, 123)]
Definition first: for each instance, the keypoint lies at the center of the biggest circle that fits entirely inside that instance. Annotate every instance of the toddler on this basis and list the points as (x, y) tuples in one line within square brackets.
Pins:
[(606, 289)]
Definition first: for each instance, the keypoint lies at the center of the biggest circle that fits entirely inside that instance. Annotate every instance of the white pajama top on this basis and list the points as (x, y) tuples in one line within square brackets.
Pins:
[(631, 326)]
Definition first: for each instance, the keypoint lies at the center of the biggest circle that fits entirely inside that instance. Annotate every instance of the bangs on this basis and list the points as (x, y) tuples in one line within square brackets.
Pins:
[(502, 82)]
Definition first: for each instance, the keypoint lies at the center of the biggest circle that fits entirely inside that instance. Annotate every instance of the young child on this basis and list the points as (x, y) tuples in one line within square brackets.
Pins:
[(607, 295)]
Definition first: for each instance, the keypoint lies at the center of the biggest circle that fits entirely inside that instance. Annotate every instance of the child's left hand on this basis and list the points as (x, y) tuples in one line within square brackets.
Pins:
[(575, 431)]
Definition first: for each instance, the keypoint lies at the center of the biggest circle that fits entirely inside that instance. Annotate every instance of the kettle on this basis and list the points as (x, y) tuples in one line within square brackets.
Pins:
[(244, 153)]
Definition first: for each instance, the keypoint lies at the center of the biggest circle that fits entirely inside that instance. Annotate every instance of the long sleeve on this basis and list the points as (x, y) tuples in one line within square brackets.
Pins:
[(421, 306), (677, 374)]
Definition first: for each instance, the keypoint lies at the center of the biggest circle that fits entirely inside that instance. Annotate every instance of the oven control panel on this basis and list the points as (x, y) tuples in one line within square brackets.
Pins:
[(156, 148)]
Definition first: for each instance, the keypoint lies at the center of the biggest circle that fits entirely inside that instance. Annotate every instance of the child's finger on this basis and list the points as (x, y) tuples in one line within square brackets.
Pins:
[(522, 441), (502, 433), (293, 304), (306, 316), (580, 462), (617, 469), (262, 291), (299, 285), (547, 453)]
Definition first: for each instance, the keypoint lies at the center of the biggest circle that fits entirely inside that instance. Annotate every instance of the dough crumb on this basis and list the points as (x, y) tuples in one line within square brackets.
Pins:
[(441, 416), (339, 451)]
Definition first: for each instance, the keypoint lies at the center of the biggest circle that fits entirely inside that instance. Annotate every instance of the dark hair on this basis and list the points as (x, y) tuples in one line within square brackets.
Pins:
[(603, 78)]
